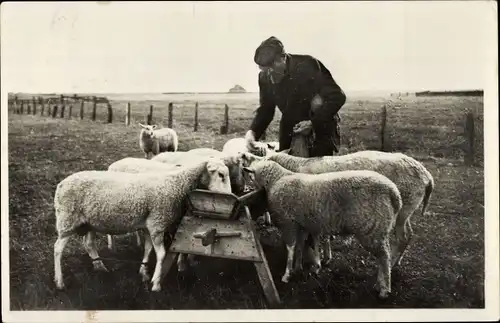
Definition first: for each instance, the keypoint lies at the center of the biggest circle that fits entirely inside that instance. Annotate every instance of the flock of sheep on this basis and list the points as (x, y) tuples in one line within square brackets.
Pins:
[(369, 195)]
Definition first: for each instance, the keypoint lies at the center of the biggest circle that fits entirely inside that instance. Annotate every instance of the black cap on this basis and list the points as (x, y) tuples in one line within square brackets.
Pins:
[(268, 50)]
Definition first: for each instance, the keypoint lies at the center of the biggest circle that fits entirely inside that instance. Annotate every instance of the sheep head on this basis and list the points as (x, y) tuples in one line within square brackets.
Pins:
[(217, 177), (148, 130)]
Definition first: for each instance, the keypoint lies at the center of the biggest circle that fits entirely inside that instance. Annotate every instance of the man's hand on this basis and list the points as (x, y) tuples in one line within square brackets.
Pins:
[(250, 140), (304, 127)]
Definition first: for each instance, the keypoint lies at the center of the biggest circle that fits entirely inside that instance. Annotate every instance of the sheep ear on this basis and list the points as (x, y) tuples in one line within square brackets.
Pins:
[(270, 146), (287, 151), (153, 126), (143, 126)]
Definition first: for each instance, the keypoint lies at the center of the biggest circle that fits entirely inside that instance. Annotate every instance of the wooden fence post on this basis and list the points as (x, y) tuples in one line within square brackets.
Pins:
[(42, 106), (127, 117), (149, 116), (34, 105), (196, 117), (28, 107), (70, 112), (225, 126), (82, 104), (110, 113), (21, 108), (383, 143), (62, 106), (16, 105), (94, 107), (470, 134), (170, 115), (54, 111), (62, 110)]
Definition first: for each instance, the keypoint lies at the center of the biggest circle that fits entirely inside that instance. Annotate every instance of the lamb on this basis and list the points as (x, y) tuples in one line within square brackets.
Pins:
[(118, 203), (413, 180), (238, 145), (363, 203), (233, 162), (155, 141)]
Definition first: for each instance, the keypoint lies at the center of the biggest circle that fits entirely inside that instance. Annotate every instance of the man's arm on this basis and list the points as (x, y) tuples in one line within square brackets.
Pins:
[(265, 112), (331, 94)]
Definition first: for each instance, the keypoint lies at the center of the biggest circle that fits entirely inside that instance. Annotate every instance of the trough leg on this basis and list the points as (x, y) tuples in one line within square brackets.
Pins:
[(262, 268)]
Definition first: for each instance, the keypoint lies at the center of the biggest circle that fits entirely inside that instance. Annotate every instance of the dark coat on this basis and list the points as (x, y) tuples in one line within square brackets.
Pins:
[(305, 77)]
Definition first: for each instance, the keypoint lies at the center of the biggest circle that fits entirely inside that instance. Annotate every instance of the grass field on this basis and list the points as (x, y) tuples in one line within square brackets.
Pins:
[(444, 266)]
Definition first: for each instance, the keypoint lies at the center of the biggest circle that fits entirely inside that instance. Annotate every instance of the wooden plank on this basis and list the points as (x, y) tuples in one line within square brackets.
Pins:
[(208, 203), (262, 268), (239, 248)]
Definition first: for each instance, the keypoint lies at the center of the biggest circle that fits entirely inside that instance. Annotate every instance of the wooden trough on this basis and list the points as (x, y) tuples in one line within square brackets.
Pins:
[(220, 225)]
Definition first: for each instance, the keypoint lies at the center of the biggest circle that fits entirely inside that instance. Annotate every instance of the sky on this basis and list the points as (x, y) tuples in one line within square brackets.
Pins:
[(209, 46)]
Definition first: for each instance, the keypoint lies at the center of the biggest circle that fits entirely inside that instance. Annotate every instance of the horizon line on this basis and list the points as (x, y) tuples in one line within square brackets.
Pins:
[(247, 92)]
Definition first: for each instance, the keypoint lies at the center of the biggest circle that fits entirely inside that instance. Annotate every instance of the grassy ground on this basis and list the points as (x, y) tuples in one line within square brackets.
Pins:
[(443, 268)]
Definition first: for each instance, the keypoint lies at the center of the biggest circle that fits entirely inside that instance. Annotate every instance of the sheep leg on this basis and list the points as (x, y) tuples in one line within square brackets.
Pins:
[(89, 244), (316, 266), (267, 218), (111, 243), (299, 250), (384, 270), (58, 251), (181, 262), (157, 239), (290, 248), (382, 253), (327, 250), (403, 232), (290, 237), (403, 239), (138, 238), (148, 245)]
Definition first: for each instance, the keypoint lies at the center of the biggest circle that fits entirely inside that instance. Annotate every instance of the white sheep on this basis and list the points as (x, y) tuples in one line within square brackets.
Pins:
[(119, 203), (155, 141), (136, 165), (411, 177), (363, 203), (233, 162), (238, 145), (210, 181)]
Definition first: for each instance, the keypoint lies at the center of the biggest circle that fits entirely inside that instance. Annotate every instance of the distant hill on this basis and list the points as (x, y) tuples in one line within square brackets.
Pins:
[(237, 89)]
